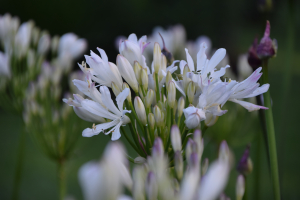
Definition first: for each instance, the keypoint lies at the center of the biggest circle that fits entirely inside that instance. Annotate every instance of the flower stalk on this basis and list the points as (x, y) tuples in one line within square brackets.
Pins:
[(271, 135)]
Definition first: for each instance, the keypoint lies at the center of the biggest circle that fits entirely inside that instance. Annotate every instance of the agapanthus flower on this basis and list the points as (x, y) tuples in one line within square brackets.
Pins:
[(110, 111)]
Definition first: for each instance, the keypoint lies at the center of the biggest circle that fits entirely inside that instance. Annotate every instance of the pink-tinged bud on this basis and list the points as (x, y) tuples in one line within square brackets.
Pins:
[(158, 148), (245, 165), (266, 48)]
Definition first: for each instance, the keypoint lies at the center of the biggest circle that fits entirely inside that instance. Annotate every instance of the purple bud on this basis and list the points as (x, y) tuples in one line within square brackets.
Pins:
[(245, 164), (253, 60), (266, 48), (194, 161)]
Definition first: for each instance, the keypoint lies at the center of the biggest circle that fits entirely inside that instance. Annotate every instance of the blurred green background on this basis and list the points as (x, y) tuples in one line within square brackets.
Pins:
[(231, 24)]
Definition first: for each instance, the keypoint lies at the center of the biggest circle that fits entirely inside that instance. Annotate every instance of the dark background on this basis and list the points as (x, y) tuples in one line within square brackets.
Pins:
[(231, 24)]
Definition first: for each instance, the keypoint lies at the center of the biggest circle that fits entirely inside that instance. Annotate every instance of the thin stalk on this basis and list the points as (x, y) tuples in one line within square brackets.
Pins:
[(157, 88), (271, 135), (19, 168), (61, 179)]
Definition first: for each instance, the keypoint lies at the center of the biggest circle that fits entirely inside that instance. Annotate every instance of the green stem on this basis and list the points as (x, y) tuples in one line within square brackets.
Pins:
[(271, 134), (19, 168), (128, 139), (157, 88), (61, 179)]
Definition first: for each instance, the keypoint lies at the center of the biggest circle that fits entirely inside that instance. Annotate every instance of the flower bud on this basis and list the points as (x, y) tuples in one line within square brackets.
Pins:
[(158, 116), (171, 94), (138, 189), (127, 72), (205, 166), (140, 160), (245, 165), (240, 187), (125, 85), (158, 148), (137, 71), (157, 57), (186, 69), (224, 152), (140, 110), (151, 186), (44, 44), (151, 120), (175, 107), (141, 94), (115, 88), (149, 98), (131, 51), (180, 106), (191, 89), (193, 117), (169, 77), (144, 78), (266, 48), (166, 53), (178, 164), (163, 67), (176, 138)]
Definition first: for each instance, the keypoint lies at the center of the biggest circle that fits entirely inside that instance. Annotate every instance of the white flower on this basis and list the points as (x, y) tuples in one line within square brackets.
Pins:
[(103, 72), (193, 116), (117, 115), (4, 65), (81, 112), (132, 49), (246, 89)]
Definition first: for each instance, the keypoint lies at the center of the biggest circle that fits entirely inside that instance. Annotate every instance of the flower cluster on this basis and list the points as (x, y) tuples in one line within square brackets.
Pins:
[(151, 99), (152, 179), (23, 50)]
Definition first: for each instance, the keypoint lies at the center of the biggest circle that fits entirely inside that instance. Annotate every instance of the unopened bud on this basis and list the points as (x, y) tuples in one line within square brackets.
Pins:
[(44, 44), (141, 94), (267, 48), (54, 44), (157, 57), (180, 107), (191, 89), (167, 54), (171, 94), (186, 69), (125, 85), (158, 148), (205, 166), (137, 71), (168, 77), (163, 67), (127, 72), (175, 107), (151, 120), (158, 116), (245, 165), (115, 89), (178, 164), (176, 138), (144, 78), (151, 186), (224, 152), (149, 98), (240, 187), (140, 110), (140, 160)]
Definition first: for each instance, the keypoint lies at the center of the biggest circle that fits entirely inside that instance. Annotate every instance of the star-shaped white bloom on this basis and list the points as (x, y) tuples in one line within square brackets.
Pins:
[(117, 115)]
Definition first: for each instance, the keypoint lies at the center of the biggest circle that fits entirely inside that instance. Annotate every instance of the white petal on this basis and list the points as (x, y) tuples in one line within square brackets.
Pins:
[(215, 60), (97, 109), (190, 60), (107, 101), (249, 106), (262, 89), (121, 98)]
